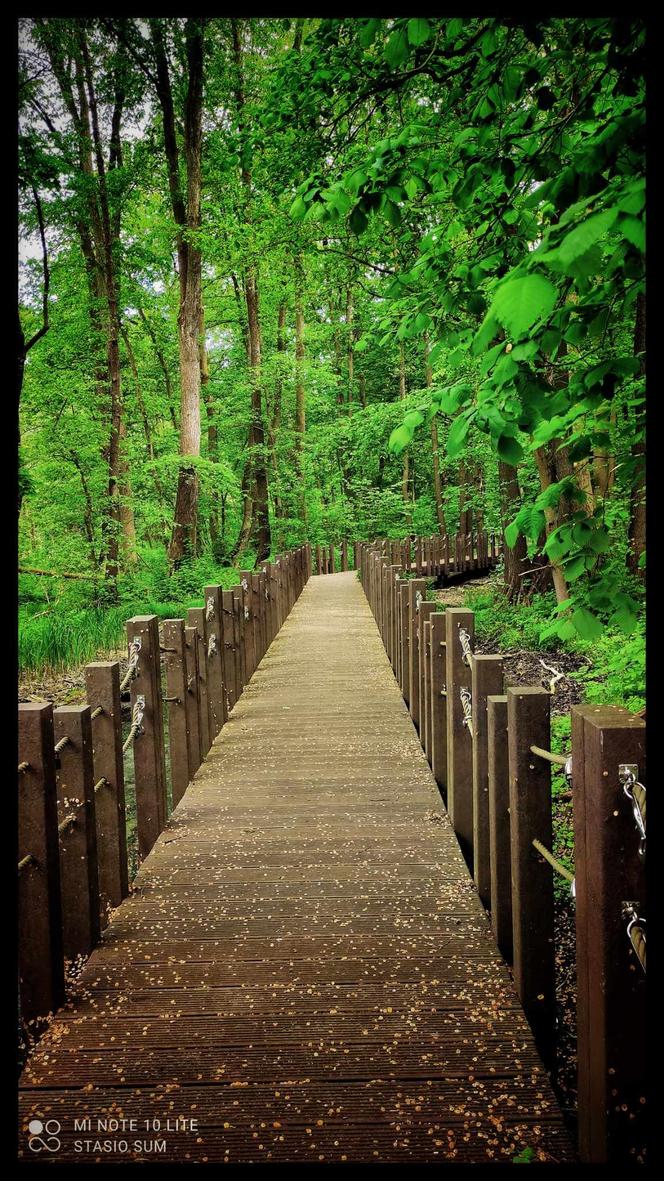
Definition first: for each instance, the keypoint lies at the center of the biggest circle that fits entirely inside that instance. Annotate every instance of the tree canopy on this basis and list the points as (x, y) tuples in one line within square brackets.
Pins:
[(289, 279)]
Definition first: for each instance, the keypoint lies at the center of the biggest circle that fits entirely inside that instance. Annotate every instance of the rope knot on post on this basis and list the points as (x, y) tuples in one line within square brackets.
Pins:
[(136, 728), (209, 609), (636, 793), (464, 640), (244, 584), (636, 931), (467, 706), (212, 645), (134, 649)]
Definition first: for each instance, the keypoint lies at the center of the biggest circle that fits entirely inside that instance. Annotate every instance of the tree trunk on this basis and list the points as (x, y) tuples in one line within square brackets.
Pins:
[(350, 313), (187, 215), (544, 458), (300, 393), (435, 451), (260, 504), (637, 524), (405, 466), (516, 558), (274, 420)]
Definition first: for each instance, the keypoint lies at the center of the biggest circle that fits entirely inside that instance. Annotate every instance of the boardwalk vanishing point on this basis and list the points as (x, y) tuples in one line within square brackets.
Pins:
[(303, 971)]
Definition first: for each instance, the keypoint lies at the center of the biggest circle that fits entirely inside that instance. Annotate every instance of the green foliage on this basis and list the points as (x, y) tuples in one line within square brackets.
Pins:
[(454, 208)]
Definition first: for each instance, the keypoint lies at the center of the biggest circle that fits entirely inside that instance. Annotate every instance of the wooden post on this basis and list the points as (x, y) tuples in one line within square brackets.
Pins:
[(532, 881), (425, 690), (258, 586), (438, 704), (486, 678), (247, 609), (611, 985), (79, 880), (319, 560), (273, 583), (426, 609), (344, 556), (194, 749), (148, 745), (102, 685), (231, 656), (392, 585), (267, 605), (179, 707), (216, 672), (459, 739), (255, 588), (416, 592), (238, 634), (196, 619), (499, 824), (331, 570), (404, 624), (40, 955)]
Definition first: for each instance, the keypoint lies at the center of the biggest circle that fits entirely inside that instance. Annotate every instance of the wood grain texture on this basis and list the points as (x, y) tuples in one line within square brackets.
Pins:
[(304, 965)]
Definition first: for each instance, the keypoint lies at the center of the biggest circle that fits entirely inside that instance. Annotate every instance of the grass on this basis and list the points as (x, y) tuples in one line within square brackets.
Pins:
[(60, 640)]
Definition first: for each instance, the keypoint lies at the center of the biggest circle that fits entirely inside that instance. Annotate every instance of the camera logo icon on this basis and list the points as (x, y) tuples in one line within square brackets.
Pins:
[(44, 1136)]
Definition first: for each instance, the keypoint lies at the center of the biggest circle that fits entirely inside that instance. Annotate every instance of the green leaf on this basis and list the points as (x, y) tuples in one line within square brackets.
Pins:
[(580, 239), (396, 51), (368, 33), (519, 303), (484, 335), (457, 436), (633, 228), (399, 439), (588, 626), (510, 450), (512, 534), (419, 30), (358, 220), (298, 209)]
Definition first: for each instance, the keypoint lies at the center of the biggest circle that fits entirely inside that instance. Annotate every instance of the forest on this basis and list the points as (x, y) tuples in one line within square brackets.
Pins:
[(290, 279)]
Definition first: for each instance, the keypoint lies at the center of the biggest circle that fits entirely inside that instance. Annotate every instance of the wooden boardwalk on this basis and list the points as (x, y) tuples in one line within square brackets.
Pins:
[(304, 969)]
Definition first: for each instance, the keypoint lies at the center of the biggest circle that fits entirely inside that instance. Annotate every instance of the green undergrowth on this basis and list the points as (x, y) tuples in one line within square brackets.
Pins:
[(611, 669), (63, 625)]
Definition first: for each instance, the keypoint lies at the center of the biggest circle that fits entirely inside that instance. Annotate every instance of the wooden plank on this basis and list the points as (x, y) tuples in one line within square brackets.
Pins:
[(179, 707), (194, 743), (40, 955), (416, 592), (459, 740), (486, 679), (404, 646), (247, 611), (214, 654), (425, 692), (79, 880), (196, 619), (304, 946), (423, 615), (499, 825), (532, 885), (102, 685), (611, 985), (438, 672), (147, 750)]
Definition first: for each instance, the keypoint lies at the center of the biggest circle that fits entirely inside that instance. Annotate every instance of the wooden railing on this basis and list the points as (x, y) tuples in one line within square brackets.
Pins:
[(465, 553), (489, 750), (72, 840)]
